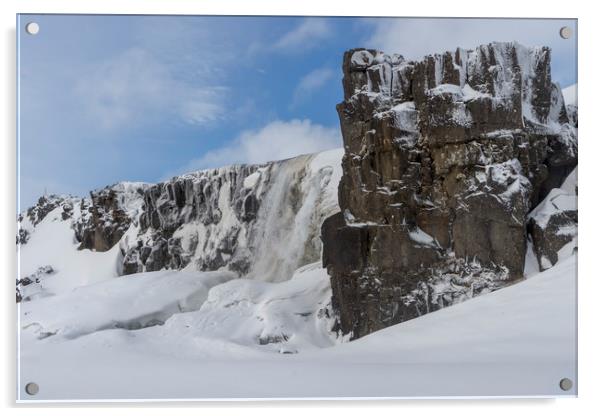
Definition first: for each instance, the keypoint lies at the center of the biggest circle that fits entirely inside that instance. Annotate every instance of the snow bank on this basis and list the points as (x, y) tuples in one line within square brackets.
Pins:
[(517, 341), (130, 302), (286, 317)]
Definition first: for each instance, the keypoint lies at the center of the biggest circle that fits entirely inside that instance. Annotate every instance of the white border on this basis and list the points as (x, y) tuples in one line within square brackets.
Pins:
[(590, 152)]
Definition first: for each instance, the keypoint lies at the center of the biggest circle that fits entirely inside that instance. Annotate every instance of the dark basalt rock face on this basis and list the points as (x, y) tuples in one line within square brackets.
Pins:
[(218, 218), (444, 159), (193, 198), (103, 222)]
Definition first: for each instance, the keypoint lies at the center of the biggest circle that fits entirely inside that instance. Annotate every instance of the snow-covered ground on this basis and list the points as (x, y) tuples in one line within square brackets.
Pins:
[(270, 340)]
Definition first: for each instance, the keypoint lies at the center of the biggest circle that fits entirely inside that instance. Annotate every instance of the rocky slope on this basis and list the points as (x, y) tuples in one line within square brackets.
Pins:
[(259, 221), (444, 159)]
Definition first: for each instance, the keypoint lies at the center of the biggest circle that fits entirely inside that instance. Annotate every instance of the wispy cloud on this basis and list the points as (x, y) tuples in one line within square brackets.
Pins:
[(275, 141), (311, 82), (306, 35), (438, 35), (135, 87)]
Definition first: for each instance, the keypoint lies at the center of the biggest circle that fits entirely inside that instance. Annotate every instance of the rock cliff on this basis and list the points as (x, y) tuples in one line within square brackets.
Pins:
[(260, 221), (444, 159)]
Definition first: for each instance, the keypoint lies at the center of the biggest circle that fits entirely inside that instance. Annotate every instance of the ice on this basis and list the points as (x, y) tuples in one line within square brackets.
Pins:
[(302, 195)]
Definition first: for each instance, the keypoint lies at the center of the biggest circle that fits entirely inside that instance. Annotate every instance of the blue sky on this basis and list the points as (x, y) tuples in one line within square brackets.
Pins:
[(141, 98)]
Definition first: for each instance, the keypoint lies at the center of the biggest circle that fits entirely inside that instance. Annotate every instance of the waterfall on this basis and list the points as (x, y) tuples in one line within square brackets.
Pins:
[(287, 230)]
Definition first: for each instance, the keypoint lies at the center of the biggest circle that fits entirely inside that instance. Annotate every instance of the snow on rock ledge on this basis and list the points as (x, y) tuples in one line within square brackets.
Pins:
[(553, 224)]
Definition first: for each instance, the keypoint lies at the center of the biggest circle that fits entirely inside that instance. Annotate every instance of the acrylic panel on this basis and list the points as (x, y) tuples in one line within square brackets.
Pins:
[(220, 207)]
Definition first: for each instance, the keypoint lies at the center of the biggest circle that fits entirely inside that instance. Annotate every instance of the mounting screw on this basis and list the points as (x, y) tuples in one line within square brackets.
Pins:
[(565, 32), (566, 384), (32, 28), (32, 389)]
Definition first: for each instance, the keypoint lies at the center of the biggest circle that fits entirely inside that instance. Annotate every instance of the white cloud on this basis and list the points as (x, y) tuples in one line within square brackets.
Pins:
[(307, 34), (311, 82), (134, 87), (416, 37), (275, 141)]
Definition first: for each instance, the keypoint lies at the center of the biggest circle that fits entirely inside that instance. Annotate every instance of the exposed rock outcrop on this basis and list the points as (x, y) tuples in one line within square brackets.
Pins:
[(104, 217), (45, 205), (240, 217), (216, 201), (262, 221), (553, 224), (444, 159)]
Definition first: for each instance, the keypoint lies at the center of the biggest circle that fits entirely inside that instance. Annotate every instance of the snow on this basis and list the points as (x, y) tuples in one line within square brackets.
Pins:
[(471, 94), (324, 161), (451, 89), (129, 196), (53, 243), (570, 94), (251, 180), (282, 317), (570, 183), (422, 238), (517, 341), (361, 59), (131, 301), (406, 116), (558, 200), (531, 263)]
